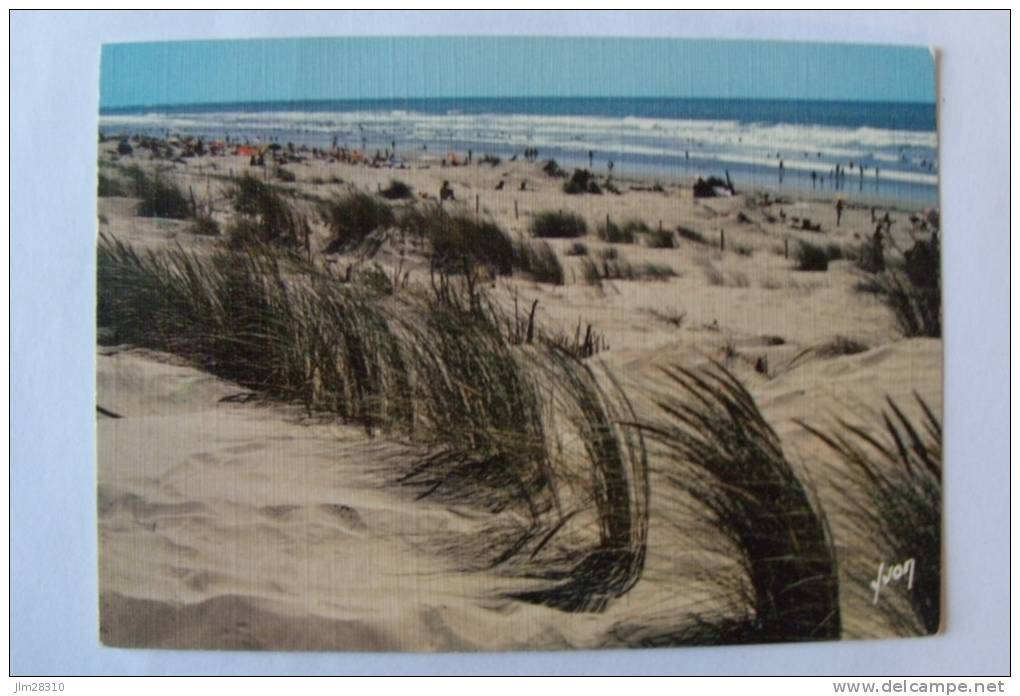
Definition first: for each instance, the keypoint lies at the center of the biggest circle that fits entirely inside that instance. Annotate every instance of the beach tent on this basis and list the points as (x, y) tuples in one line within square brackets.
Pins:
[(246, 151)]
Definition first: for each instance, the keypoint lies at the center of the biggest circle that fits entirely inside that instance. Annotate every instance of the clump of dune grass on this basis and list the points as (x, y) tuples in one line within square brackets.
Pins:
[(815, 257), (264, 216), (594, 272), (553, 224), (691, 235), (654, 271), (870, 256), (618, 268), (500, 426), (674, 318), (397, 190), (616, 485), (918, 310), (352, 217), (539, 260), (458, 240), (160, 195), (915, 294), (892, 484), (612, 233), (285, 175), (577, 249), (660, 239), (729, 463), (111, 186), (835, 347)]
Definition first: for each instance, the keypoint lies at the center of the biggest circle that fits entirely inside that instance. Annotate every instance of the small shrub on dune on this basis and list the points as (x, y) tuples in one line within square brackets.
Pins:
[(558, 225), (577, 249), (397, 190), (352, 217), (285, 175)]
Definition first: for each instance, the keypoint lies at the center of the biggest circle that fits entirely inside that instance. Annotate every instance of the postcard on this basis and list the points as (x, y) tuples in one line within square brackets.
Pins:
[(490, 344)]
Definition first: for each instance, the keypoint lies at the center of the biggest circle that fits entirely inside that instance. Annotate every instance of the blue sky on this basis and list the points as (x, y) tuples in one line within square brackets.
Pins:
[(416, 67)]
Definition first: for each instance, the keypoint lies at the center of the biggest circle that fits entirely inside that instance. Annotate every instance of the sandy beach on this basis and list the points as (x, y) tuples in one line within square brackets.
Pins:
[(229, 521)]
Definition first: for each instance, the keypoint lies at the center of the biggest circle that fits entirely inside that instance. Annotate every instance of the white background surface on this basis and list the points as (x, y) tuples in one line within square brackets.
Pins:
[(54, 100)]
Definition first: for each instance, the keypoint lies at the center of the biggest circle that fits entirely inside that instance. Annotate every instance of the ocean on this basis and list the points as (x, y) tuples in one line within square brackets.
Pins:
[(887, 150)]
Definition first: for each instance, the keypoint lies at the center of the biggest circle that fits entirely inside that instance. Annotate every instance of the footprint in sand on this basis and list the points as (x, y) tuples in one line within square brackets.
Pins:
[(345, 514), (278, 512)]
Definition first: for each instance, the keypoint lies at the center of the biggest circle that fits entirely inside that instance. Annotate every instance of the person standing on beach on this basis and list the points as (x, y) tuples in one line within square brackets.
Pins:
[(780, 172), (839, 211), (814, 178), (591, 160)]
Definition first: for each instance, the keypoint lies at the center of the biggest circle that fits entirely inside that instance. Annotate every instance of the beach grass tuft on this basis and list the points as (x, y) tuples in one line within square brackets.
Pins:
[(539, 260), (892, 484), (160, 195), (558, 224), (729, 462), (352, 217), (264, 216)]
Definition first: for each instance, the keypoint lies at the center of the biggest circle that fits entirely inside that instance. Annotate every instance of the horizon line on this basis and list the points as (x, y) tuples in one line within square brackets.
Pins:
[(532, 97)]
